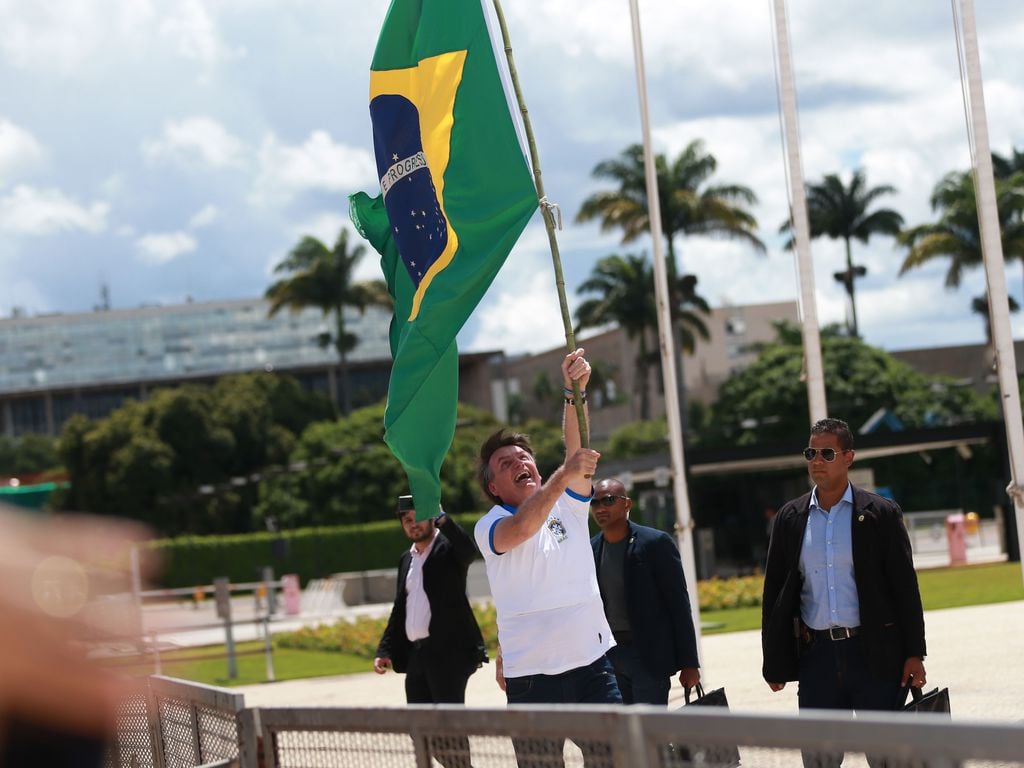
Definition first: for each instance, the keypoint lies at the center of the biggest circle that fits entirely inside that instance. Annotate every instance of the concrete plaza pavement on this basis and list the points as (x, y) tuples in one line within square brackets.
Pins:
[(977, 652)]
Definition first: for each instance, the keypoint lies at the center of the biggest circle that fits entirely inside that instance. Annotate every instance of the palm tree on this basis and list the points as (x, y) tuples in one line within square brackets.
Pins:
[(956, 234), (321, 277), (979, 306), (689, 206), (841, 212), (625, 298), (1005, 167)]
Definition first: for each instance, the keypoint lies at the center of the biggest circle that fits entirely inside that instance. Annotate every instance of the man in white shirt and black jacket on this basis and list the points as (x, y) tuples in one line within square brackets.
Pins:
[(432, 635)]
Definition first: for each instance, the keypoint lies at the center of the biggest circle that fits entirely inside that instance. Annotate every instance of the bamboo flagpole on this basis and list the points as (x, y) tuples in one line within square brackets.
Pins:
[(992, 254), (549, 211), (673, 416)]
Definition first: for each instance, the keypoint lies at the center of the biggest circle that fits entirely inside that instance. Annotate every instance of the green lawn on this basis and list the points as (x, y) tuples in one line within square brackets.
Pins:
[(288, 664), (940, 588), (970, 585)]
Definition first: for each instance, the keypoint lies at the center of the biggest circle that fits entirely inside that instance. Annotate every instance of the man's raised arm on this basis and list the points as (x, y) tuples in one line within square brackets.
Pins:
[(575, 367)]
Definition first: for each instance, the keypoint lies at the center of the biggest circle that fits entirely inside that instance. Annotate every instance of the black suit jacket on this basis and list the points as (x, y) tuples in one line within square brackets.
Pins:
[(891, 616), (658, 603), (455, 640)]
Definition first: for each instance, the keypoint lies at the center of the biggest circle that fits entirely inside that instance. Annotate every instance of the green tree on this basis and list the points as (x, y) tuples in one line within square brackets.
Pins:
[(342, 472), (1005, 167), (842, 212), (956, 234), (979, 306), (638, 438), (625, 298), (322, 277), (184, 461), (27, 455), (689, 204), (767, 402)]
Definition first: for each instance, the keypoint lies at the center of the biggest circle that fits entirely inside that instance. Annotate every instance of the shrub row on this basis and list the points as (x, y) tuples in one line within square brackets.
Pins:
[(362, 635), (310, 552), (723, 594)]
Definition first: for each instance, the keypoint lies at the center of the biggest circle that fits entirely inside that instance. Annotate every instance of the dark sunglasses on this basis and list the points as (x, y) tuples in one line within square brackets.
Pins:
[(607, 501), (828, 454)]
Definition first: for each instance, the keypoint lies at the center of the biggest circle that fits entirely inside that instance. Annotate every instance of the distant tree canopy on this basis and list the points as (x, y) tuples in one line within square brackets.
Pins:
[(350, 475), (148, 460), (767, 402), (27, 455)]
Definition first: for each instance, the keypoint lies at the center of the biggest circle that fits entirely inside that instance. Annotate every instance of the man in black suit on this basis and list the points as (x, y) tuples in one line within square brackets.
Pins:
[(645, 599), (841, 610), (432, 635)]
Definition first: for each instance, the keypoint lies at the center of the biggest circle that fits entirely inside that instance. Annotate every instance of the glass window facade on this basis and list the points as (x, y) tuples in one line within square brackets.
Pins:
[(52, 367), (151, 344)]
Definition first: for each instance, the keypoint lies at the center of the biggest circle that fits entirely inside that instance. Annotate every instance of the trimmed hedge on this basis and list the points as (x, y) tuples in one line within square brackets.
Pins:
[(310, 552)]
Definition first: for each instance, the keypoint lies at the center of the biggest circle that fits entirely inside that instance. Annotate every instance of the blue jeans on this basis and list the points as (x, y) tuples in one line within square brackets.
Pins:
[(591, 684), (636, 683), (834, 675)]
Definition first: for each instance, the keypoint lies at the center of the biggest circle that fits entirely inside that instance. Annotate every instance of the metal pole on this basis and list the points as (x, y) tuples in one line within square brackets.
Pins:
[(223, 595), (684, 519), (817, 406), (268, 649), (995, 268)]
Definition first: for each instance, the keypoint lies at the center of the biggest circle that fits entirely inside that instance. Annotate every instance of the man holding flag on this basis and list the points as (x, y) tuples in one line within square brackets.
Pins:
[(536, 545)]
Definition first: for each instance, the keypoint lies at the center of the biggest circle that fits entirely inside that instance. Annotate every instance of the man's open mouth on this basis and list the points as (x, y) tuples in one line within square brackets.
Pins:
[(522, 477)]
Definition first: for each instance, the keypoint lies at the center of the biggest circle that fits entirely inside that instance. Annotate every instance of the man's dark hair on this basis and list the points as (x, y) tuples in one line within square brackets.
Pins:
[(836, 427), (499, 439)]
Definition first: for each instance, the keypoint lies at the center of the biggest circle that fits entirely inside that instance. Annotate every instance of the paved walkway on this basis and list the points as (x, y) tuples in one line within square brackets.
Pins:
[(977, 652)]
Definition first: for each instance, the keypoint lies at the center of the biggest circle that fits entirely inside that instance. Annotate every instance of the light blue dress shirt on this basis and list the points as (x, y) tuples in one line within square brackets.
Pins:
[(828, 596)]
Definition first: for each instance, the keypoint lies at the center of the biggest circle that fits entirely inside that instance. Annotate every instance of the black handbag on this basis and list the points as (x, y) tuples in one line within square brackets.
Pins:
[(687, 755), (933, 701)]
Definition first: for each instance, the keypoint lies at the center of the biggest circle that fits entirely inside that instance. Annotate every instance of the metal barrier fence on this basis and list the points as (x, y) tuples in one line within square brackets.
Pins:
[(184, 725), (621, 737), (179, 724)]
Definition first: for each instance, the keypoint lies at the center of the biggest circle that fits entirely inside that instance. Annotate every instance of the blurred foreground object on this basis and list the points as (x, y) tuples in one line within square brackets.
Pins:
[(60, 582)]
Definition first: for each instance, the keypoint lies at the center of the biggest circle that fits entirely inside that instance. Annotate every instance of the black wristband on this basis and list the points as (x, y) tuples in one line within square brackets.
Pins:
[(572, 400)]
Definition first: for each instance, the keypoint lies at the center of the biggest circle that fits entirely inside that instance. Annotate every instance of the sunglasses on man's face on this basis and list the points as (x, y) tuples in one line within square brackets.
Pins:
[(607, 501), (828, 454)]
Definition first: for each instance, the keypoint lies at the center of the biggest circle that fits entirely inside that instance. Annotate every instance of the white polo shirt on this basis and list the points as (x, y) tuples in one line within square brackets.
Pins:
[(550, 615)]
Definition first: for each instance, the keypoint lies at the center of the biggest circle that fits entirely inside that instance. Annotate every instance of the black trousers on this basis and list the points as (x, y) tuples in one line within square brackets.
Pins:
[(834, 674), (430, 679)]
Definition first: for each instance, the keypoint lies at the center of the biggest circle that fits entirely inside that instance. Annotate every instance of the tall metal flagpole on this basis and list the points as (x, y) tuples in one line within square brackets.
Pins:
[(995, 268), (684, 520), (798, 210), (548, 210)]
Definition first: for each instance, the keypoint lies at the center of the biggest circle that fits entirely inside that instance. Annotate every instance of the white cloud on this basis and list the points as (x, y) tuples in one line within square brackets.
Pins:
[(318, 163), (205, 217), (520, 313), (30, 211), (160, 248), (18, 148), (50, 36), (197, 138), (193, 33)]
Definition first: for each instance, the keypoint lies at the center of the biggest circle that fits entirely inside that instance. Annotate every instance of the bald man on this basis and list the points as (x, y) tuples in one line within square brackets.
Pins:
[(645, 600)]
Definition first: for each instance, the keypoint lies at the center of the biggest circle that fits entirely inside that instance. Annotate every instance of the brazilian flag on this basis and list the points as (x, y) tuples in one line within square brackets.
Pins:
[(456, 193)]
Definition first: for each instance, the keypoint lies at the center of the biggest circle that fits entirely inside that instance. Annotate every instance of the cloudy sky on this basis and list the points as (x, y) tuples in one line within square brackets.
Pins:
[(179, 148)]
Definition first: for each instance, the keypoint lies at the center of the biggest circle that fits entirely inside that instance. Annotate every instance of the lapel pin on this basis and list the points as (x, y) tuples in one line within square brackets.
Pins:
[(860, 519)]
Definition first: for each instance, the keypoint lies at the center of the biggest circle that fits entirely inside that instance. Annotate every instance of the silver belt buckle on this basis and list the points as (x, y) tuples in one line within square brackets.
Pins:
[(844, 633)]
